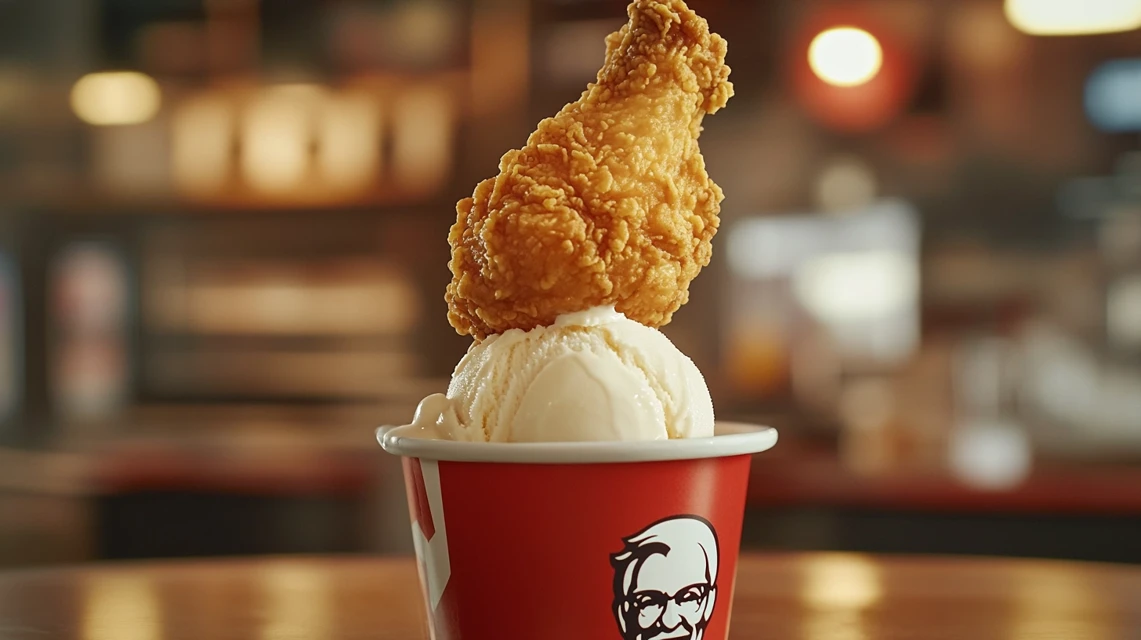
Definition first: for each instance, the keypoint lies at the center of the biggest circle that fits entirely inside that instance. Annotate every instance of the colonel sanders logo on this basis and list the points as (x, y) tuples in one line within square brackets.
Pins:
[(665, 580)]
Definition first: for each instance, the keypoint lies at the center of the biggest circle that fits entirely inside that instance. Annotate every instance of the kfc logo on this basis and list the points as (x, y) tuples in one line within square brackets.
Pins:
[(665, 580)]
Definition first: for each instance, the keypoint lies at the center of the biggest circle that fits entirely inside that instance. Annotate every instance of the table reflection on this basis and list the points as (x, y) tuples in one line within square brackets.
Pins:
[(839, 581), (804, 596), (1061, 602), (119, 606), (837, 589), (297, 600), (840, 624)]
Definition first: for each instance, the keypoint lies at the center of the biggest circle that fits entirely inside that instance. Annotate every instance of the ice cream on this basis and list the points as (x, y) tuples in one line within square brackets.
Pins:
[(566, 263), (592, 375)]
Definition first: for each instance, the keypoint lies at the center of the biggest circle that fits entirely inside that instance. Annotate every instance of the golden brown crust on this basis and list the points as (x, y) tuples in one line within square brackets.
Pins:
[(609, 201)]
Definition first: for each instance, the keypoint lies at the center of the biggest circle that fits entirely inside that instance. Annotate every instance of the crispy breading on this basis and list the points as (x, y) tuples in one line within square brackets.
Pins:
[(609, 201)]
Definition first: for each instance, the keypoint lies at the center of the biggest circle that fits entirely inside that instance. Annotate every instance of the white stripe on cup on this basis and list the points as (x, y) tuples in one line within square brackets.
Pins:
[(433, 554)]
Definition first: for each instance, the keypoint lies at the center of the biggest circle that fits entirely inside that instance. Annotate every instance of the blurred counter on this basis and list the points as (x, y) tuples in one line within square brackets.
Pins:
[(802, 474), (193, 481), (284, 460), (802, 497), (270, 480), (261, 450)]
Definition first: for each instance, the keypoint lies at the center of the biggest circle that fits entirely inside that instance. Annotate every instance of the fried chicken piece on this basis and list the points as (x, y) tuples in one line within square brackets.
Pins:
[(609, 201)]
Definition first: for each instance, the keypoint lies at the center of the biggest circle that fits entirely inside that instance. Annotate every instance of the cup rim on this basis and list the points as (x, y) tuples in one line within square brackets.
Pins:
[(729, 439)]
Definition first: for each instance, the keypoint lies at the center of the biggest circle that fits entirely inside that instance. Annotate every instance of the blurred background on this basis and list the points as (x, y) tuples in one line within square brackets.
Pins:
[(223, 255)]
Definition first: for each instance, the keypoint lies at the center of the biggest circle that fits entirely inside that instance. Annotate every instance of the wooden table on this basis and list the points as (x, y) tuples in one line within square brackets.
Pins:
[(804, 596)]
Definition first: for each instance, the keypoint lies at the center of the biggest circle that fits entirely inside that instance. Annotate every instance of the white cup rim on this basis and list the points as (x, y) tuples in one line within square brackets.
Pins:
[(729, 439)]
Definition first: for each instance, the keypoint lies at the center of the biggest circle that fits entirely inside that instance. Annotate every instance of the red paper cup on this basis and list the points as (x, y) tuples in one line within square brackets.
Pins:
[(590, 541)]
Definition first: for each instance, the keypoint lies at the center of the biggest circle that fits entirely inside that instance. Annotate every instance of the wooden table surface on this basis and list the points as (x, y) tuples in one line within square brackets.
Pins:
[(803, 596)]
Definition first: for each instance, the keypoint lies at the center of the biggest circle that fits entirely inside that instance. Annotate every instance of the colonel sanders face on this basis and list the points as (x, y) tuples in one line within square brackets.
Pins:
[(665, 580)]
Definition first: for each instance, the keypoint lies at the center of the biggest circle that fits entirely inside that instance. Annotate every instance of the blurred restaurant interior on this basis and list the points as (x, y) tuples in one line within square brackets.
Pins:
[(223, 255)]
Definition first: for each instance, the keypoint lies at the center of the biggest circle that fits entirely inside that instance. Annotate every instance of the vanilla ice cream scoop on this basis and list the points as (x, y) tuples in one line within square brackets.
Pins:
[(592, 376)]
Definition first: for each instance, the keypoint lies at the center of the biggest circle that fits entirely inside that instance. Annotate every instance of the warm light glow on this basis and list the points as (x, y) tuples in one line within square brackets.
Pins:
[(841, 581), (1073, 17), (349, 142), (121, 607), (423, 134), (845, 56), (276, 138), (201, 136), (114, 98)]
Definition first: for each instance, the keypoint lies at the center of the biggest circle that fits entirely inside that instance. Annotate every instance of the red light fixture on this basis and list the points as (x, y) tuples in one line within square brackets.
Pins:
[(849, 72)]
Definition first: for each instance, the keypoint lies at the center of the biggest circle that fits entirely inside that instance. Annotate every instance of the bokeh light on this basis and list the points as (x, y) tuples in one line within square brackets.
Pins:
[(1071, 17), (116, 98), (1113, 96), (277, 137), (841, 581), (845, 56)]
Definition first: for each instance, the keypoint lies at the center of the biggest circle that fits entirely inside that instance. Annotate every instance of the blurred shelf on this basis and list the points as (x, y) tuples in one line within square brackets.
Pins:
[(799, 476), (167, 208)]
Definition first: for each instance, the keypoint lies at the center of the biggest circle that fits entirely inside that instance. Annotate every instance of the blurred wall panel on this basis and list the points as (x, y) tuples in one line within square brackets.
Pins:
[(44, 517), (571, 53), (133, 159), (40, 529), (11, 339), (409, 34), (423, 139), (500, 55)]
